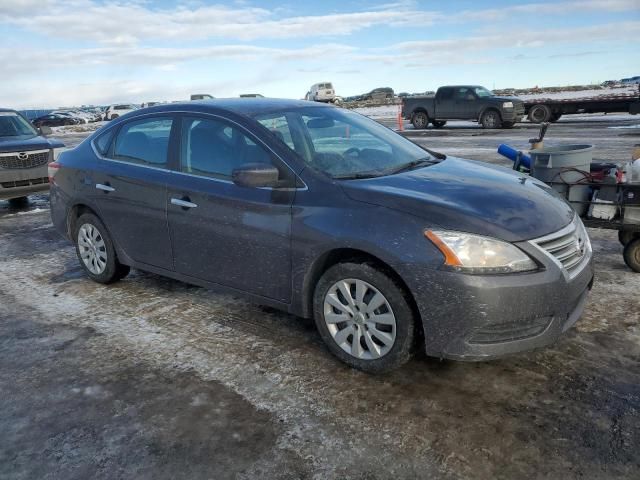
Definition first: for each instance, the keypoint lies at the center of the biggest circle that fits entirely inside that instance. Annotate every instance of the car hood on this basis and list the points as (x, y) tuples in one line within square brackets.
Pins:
[(25, 144), (507, 99), (468, 196)]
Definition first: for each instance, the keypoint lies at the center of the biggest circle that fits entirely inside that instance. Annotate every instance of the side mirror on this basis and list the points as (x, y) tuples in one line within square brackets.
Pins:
[(44, 130), (256, 175)]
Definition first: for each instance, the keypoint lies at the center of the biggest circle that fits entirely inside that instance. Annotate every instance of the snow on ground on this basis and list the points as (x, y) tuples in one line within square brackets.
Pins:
[(382, 111), (75, 129), (631, 90)]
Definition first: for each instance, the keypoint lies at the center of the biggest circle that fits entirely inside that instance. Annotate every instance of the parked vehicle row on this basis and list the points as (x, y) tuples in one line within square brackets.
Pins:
[(325, 213)]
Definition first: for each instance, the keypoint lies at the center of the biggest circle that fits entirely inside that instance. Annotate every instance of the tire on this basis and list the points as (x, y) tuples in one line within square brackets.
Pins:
[(18, 202), (491, 119), (625, 236), (114, 116), (438, 123), (508, 124), (632, 254), (420, 120), (381, 347), (93, 242), (539, 113)]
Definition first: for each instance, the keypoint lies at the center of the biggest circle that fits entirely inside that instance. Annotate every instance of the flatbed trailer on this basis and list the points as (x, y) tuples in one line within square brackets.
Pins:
[(542, 109)]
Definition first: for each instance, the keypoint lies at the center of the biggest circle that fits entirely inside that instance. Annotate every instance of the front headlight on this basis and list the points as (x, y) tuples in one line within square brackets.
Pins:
[(507, 105), (468, 253)]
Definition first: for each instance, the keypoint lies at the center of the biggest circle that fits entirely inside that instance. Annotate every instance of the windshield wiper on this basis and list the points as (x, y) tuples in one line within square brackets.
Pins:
[(423, 162), (438, 155), (357, 176)]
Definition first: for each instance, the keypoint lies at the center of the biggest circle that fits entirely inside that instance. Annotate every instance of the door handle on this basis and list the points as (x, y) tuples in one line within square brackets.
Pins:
[(183, 203), (105, 188)]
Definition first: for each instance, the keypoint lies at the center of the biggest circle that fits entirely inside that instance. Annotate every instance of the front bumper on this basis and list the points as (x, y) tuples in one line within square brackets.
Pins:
[(474, 317), (23, 182)]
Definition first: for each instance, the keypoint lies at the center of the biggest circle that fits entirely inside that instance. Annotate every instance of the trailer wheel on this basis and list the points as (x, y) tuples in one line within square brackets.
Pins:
[(539, 113), (420, 120), (632, 255), (625, 236)]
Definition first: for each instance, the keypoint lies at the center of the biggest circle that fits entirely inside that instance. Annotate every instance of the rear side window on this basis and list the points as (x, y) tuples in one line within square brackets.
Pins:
[(445, 93), (144, 142)]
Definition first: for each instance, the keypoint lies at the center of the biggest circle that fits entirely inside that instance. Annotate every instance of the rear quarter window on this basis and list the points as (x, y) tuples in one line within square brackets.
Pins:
[(103, 142)]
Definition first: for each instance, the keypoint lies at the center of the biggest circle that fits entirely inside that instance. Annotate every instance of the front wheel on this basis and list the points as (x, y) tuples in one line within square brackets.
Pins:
[(364, 317), (439, 123), (632, 254), (96, 252), (420, 120), (491, 119)]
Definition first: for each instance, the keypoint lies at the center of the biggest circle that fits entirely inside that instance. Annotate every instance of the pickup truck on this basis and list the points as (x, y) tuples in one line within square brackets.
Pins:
[(462, 102)]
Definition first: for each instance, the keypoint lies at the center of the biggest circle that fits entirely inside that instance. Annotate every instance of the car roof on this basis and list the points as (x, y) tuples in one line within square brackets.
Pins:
[(240, 106), (8, 110)]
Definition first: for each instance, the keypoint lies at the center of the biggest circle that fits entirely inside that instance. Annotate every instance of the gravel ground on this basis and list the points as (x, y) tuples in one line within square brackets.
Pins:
[(153, 378)]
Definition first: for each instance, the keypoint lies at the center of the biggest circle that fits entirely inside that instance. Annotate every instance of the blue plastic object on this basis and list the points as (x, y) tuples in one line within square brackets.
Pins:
[(512, 154)]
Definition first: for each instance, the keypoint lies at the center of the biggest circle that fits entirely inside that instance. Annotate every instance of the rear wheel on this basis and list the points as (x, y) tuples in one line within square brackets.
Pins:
[(364, 317), (555, 117), (420, 120), (439, 123), (491, 119), (95, 250), (632, 254), (539, 113), (114, 116)]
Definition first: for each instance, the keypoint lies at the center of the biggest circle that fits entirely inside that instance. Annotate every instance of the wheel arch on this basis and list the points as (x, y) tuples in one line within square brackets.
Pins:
[(487, 109), (75, 213), (353, 255)]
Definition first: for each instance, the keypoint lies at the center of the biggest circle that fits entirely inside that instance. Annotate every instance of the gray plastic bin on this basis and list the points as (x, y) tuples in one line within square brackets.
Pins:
[(563, 165)]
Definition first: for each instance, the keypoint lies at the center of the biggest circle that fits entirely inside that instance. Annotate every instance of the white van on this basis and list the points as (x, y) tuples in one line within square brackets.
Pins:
[(321, 92)]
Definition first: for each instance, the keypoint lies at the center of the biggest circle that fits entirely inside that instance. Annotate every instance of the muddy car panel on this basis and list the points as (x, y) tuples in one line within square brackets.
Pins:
[(464, 316)]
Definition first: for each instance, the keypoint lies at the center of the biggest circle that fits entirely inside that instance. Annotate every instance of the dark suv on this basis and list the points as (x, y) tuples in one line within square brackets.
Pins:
[(24, 155), (325, 213)]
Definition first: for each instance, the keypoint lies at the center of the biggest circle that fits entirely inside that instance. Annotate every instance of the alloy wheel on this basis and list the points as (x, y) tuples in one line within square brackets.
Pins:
[(93, 250), (359, 319)]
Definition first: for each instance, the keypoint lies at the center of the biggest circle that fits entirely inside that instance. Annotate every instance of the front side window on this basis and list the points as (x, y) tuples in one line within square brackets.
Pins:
[(483, 92), (214, 148), (144, 142), (343, 144)]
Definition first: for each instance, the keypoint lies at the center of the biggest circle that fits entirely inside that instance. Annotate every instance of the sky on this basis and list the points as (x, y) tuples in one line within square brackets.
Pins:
[(80, 52)]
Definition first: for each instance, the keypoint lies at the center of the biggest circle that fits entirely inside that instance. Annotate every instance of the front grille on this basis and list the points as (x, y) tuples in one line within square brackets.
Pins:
[(24, 159), (569, 247), (25, 183)]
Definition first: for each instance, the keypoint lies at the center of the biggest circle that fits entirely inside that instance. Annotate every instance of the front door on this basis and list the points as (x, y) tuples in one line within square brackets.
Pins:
[(129, 187), (223, 233)]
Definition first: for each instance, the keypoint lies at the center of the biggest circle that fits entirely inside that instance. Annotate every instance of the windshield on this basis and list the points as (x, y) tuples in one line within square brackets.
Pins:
[(482, 92), (343, 144), (14, 125)]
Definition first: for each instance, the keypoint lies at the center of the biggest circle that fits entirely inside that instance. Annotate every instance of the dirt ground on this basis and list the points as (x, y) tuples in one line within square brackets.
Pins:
[(153, 378)]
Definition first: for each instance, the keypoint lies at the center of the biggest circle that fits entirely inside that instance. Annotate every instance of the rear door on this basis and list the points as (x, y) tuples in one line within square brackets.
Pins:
[(130, 186), (223, 233), (444, 103)]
